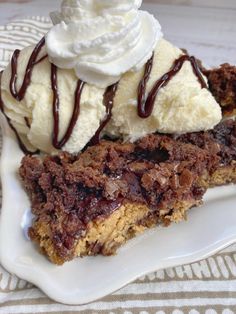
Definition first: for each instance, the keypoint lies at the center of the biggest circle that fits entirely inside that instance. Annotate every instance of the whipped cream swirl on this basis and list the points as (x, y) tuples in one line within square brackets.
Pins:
[(102, 39)]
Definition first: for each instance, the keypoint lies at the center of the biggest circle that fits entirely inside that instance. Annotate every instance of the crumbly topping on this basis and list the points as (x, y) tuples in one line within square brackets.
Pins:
[(221, 141), (222, 83), (68, 192)]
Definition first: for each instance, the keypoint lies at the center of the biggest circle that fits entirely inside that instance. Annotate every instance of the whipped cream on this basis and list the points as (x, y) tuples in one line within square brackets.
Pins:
[(102, 39)]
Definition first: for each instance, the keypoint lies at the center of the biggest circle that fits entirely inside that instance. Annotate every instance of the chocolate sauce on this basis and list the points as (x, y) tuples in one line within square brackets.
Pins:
[(142, 86), (108, 101), (19, 95), (27, 122), (21, 144), (145, 108), (40, 60), (56, 108), (197, 72)]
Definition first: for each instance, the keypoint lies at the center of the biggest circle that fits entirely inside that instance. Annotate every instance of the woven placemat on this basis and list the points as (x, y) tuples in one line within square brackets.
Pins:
[(207, 287)]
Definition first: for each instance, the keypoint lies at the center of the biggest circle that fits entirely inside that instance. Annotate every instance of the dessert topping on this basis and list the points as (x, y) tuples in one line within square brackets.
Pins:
[(108, 101), (80, 85), (145, 107), (101, 40), (19, 95)]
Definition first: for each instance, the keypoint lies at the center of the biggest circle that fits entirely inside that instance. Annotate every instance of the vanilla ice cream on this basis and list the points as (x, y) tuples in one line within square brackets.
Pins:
[(37, 106), (180, 107), (99, 58)]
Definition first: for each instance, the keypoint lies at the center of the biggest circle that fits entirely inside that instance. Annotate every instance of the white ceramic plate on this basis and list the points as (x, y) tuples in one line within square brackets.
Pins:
[(208, 229)]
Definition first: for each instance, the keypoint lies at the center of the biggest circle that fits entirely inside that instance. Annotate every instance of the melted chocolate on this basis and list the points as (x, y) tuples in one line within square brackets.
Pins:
[(19, 95), (27, 122), (21, 144), (145, 108), (142, 86), (40, 60), (108, 100), (56, 104)]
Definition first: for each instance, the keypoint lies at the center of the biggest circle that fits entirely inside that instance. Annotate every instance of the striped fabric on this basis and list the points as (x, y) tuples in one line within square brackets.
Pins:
[(207, 287)]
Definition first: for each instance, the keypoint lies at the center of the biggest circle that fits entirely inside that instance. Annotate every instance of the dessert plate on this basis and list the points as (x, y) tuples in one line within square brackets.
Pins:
[(208, 229)]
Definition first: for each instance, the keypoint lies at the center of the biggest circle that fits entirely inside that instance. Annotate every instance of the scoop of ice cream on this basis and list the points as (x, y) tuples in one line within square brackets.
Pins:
[(101, 40), (181, 106), (36, 106)]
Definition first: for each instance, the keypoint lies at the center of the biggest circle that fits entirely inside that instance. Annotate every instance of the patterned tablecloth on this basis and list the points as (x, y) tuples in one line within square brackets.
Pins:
[(207, 287)]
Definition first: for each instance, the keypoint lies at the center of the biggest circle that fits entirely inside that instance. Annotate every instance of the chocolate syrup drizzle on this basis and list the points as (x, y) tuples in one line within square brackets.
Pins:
[(19, 95), (108, 101), (56, 106), (21, 144), (142, 86), (145, 105), (27, 122)]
